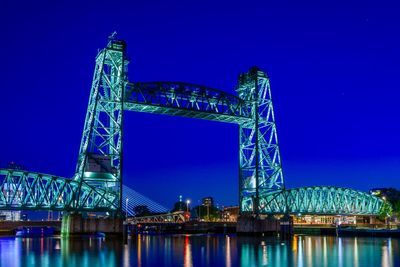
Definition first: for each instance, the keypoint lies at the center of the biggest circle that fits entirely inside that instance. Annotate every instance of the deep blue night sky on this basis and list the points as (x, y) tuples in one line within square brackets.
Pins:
[(334, 71)]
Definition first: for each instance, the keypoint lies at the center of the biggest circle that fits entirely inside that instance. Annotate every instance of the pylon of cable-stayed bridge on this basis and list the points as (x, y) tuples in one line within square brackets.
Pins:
[(97, 184), (133, 199)]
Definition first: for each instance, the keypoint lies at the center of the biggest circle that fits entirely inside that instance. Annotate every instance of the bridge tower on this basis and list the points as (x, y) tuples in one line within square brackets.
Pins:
[(260, 162), (260, 167), (100, 156)]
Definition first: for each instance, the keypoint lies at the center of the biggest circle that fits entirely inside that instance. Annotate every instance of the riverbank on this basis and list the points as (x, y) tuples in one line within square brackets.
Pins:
[(8, 228), (185, 228)]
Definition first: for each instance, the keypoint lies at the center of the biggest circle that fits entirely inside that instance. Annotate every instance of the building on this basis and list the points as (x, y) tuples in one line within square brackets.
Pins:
[(208, 201), (9, 215), (230, 214)]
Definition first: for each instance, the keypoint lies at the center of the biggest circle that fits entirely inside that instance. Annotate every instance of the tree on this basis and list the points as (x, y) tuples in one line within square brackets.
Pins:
[(396, 208), (386, 211), (141, 210), (207, 212), (391, 196)]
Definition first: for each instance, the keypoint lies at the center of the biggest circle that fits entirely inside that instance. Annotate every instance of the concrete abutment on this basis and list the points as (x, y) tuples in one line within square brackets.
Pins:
[(74, 224), (269, 225)]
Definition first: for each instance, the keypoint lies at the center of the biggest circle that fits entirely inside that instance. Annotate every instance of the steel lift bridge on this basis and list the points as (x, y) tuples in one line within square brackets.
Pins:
[(97, 183)]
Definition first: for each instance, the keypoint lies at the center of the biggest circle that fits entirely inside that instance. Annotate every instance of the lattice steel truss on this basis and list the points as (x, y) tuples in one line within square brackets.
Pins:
[(173, 217), (260, 161), (97, 183), (321, 200), (21, 190), (187, 100), (100, 156)]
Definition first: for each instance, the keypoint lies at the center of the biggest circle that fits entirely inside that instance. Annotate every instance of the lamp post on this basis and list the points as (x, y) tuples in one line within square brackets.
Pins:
[(126, 208), (187, 205), (198, 201)]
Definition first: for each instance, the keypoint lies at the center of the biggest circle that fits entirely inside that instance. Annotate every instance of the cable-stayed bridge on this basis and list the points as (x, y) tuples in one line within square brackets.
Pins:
[(133, 199)]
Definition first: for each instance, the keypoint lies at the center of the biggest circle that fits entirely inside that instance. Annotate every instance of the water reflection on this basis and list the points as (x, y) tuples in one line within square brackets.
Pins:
[(139, 250), (187, 253), (340, 252), (325, 252), (200, 250), (387, 254), (300, 252), (355, 259), (228, 256)]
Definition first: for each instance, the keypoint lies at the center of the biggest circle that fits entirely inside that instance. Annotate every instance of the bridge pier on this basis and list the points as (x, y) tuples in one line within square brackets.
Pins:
[(260, 225), (74, 224)]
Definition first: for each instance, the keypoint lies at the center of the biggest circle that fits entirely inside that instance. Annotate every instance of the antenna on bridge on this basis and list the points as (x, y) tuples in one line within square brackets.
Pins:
[(112, 35), (114, 43)]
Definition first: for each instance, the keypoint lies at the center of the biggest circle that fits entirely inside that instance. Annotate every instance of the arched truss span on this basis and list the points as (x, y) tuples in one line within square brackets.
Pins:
[(22, 190), (324, 200)]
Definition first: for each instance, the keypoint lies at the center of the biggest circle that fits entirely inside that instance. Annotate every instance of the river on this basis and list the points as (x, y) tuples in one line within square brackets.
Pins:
[(200, 250)]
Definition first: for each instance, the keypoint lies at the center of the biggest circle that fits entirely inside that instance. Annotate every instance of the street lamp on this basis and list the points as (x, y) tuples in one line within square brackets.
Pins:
[(187, 205), (126, 208), (199, 208)]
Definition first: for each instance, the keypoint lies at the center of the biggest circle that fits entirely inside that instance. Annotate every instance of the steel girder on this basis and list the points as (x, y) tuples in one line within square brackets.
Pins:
[(187, 100), (21, 190), (318, 200)]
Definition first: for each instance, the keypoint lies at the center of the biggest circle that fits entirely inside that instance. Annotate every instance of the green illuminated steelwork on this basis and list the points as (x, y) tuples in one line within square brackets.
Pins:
[(100, 156), (21, 190), (321, 200), (97, 183), (260, 161), (187, 100)]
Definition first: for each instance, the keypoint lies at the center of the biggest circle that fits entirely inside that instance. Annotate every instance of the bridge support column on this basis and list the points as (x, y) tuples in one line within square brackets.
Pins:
[(286, 226), (253, 225), (74, 224)]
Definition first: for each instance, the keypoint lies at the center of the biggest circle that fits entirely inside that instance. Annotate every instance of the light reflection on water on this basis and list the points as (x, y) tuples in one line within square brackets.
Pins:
[(200, 250)]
